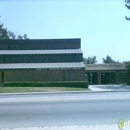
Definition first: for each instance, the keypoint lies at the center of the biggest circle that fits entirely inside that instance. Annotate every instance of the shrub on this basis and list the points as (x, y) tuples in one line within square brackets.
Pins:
[(128, 83), (80, 84)]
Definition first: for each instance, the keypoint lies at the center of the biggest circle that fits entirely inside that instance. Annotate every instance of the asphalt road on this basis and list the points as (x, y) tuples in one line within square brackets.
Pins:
[(37, 110)]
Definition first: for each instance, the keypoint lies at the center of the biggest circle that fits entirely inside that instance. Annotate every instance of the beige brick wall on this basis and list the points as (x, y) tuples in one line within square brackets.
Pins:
[(40, 75), (80, 75), (32, 75)]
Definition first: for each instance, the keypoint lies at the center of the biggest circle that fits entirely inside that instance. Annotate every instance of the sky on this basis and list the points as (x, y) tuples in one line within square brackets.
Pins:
[(100, 24)]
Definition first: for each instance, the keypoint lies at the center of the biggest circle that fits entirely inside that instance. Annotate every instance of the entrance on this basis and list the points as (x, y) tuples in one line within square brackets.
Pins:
[(91, 78), (108, 78)]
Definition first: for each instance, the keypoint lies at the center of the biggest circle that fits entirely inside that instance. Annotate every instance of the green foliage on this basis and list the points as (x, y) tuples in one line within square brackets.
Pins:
[(128, 83), (127, 63), (3, 32), (128, 66), (128, 7), (108, 59), (80, 84), (90, 60)]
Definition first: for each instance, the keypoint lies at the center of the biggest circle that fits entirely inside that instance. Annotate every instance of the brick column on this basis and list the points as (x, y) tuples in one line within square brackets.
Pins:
[(1, 83), (117, 77), (99, 77)]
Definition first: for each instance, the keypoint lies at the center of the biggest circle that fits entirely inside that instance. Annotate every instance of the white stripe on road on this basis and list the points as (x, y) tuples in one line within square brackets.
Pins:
[(83, 127), (31, 100)]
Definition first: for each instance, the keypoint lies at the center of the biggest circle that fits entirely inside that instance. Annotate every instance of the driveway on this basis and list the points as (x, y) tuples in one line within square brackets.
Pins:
[(109, 87)]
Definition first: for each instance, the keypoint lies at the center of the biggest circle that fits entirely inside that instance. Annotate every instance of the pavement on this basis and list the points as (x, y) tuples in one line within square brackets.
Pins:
[(90, 127), (103, 98), (99, 88), (64, 111)]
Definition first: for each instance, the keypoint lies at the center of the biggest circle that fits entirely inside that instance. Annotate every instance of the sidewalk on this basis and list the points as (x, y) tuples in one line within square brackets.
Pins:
[(91, 127), (103, 127), (111, 87)]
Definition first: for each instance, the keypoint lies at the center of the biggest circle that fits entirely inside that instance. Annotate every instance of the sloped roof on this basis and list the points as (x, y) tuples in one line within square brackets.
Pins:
[(40, 66), (20, 52)]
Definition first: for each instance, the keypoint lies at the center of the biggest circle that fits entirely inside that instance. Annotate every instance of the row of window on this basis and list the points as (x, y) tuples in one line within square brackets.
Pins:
[(38, 46), (40, 59)]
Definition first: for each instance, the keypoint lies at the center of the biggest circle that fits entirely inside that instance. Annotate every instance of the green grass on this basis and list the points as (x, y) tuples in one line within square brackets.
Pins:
[(78, 84), (39, 89)]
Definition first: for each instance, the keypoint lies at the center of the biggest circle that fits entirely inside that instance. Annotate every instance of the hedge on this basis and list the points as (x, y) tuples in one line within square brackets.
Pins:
[(81, 84), (128, 83)]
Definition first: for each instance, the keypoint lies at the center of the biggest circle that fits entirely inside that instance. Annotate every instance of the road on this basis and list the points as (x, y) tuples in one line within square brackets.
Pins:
[(37, 110)]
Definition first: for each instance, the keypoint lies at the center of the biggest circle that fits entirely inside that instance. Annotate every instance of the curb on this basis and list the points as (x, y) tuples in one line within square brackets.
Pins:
[(78, 127), (58, 92)]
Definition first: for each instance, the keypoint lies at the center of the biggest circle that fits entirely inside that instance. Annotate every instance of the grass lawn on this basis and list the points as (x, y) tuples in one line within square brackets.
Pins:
[(39, 89)]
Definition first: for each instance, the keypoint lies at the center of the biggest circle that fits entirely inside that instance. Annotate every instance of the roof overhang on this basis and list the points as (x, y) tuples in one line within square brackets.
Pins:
[(42, 66), (24, 52), (91, 67)]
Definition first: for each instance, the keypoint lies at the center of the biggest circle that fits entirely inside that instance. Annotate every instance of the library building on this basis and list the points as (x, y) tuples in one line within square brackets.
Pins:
[(41, 60), (48, 60)]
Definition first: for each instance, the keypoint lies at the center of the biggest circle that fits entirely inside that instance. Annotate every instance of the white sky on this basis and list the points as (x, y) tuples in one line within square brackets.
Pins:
[(100, 24)]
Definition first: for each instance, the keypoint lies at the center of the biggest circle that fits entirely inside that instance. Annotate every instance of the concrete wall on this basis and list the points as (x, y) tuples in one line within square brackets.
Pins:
[(105, 67), (42, 75)]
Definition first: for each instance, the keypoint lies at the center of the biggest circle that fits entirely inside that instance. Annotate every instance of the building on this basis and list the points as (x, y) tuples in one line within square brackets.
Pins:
[(53, 60), (106, 73), (41, 60)]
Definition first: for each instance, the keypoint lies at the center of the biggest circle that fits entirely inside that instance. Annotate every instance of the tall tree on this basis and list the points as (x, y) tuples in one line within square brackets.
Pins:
[(3, 32), (6, 34), (108, 59), (90, 60), (128, 7), (128, 66), (127, 63)]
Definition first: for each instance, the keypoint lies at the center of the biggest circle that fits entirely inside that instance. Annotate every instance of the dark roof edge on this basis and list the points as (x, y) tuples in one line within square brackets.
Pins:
[(40, 39)]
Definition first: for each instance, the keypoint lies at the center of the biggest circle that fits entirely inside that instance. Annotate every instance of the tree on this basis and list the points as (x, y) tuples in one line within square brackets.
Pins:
[(6, 34), (90, 60), (127, 64), (128, 7), (3, 32), (108, 59)]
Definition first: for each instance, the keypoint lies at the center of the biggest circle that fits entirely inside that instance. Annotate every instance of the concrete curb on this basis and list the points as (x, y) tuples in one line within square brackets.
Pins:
[(58, 92)]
